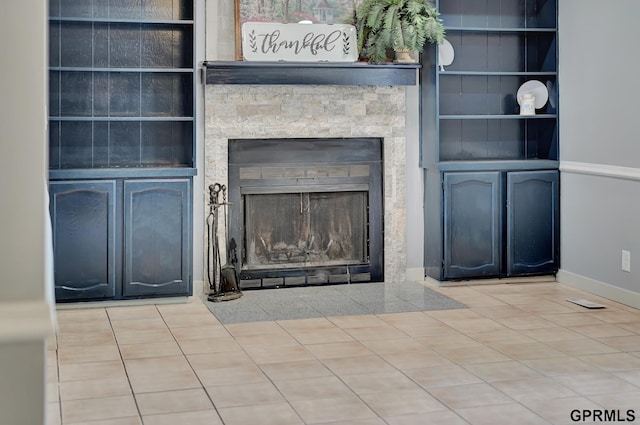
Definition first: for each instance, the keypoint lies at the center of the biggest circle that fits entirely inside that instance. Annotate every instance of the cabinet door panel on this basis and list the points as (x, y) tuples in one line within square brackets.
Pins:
[(157, 241), (532, 222), (83, 217), (472, 224)]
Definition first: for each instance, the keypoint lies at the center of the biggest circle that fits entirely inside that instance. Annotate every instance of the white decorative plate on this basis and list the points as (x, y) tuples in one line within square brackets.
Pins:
[(537, 89), (445, 54)]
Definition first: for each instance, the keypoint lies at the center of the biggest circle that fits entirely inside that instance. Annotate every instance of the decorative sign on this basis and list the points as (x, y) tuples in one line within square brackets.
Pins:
[(263, 41)]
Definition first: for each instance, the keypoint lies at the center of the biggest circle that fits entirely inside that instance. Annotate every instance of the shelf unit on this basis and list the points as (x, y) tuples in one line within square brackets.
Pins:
[(121, 115), (471, 124)]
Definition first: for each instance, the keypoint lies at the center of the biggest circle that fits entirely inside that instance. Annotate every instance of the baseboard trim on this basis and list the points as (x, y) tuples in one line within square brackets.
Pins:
[(501, 281), (415, 274), (602, 289)]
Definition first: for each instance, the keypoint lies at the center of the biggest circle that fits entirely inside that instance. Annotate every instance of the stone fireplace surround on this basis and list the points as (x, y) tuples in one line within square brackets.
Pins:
[(259, 111)]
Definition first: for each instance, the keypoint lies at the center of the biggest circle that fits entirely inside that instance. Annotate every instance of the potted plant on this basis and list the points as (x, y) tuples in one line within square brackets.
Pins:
[(401, 25)]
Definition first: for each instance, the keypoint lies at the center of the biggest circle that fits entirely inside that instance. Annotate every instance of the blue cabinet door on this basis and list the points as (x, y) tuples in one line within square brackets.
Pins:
[(532, 222), (84, 225), (157, 237), (472, 224)]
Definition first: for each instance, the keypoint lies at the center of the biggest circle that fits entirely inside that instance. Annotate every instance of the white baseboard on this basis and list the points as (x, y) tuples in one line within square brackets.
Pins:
[(602, 289)]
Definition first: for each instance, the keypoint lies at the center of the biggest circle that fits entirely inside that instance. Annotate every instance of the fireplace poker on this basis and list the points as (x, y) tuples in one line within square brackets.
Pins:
[(222, 279)]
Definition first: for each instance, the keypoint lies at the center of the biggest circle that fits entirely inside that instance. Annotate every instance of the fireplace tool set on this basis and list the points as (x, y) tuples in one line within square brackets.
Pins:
[(223, 279)]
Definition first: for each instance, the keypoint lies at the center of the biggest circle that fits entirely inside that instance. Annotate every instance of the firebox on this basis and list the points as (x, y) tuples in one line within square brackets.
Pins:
[(306, 211)]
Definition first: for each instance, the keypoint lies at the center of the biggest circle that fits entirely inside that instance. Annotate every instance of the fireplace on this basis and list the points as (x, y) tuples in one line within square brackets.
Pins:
[(240, 114), (306, 211)]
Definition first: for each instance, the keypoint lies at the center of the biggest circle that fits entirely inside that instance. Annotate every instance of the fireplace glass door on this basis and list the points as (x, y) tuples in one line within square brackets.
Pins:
[(294, 230)]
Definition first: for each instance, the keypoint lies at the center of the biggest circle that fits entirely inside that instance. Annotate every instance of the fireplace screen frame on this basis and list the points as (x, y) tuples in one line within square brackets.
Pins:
[(295, 165)]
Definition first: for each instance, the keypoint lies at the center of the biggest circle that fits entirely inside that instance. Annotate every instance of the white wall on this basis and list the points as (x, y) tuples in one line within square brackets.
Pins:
[(25, 319), (600, 146)]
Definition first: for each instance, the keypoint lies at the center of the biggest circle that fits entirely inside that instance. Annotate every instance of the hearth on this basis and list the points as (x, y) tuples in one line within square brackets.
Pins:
[(306, 211)]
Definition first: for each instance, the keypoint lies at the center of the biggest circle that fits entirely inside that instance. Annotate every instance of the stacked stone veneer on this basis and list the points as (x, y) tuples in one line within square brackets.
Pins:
[(283, 111)]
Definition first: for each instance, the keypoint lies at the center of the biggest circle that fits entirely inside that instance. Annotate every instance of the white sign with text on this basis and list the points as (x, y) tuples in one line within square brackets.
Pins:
[(262, 41)]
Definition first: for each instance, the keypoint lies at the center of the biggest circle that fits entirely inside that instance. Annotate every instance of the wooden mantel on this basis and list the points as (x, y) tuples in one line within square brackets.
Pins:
[(316, 73)]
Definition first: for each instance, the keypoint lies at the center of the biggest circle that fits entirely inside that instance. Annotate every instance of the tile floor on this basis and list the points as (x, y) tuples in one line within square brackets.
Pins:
[(519, 354)]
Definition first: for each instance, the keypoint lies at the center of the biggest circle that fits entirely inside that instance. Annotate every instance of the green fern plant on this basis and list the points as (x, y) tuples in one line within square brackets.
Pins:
[(401, 25)]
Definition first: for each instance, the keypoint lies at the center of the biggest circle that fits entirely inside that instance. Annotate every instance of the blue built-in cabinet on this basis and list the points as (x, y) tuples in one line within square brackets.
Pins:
[(491, 174), (121, 147)]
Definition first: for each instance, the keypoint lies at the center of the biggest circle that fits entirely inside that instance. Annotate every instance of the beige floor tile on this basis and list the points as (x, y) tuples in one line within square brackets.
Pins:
[(200, 417), (416, 359), (133, 336), (271, 340), (157, 364), (92, 370), (200, 332), (332, 410), (262, 354), (558, 366), (338, 349), (596, 383), (88, 354), (244, 394), (370, 421), (173, 401), (616, 316), (572, 319), (254, 328), (364, 321), (558, 411), (94, 388), (52, 392), (474, 395), (541, 307), (623, 343), (217, 361), (379, 382), (313, 388), (534, 388), (444, 417), (83, 327), (454, 315), (375, 333), (528, 351), (486, 415), (401, 402), (306, 324), (471, 355), (133, 312), (613, 362), (632, 376), (397, 345), (320, 336), (74, 339), (163, 381), (209, 345), (268, 414), (551, 334), (620, 400), (476, 325), (239, 375), (408, 318), (181, 309), (601, 331), (148, 324), (151, 349), (442, 376), (581, 347), (505, 336), (500, 311), (295, 370), (630, 326), (501, 371), (81, 315), (358, 365), (191, 320), (75, 411), (447, 341), (525, 322), (131, 420), (434, 329)]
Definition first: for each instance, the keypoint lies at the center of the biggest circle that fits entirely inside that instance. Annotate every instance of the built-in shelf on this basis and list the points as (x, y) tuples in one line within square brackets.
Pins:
[(311, 73)]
